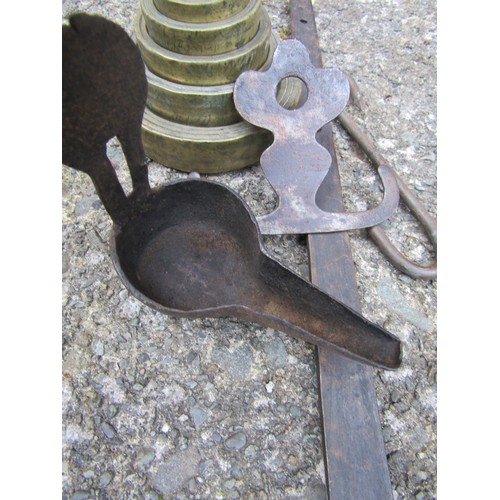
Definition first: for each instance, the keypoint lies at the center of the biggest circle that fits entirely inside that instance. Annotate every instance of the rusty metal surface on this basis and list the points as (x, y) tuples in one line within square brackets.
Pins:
[(191, 248), (355, 458), (195, 251), (103, 96), (295, 164)]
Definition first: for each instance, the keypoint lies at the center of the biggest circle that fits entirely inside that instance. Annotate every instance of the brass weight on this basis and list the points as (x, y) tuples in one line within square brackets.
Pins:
[(208, 106), (203, 106), (204, 70), (208, 38), (207, 150), (190, 122), (199, 10)]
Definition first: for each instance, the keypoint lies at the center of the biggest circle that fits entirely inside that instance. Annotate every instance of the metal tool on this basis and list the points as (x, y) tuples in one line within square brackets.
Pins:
[(190, 248), (355, 459), (410, 199), (295, 164)]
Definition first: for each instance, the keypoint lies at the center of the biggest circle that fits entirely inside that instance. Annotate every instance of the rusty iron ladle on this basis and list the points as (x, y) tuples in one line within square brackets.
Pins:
[(191, 248)]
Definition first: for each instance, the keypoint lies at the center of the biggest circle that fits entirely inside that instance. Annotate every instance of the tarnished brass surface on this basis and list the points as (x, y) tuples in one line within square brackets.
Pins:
[(198, 11), (205, 150), (207, 38), (203, 70), (194, 105), (212, 105)]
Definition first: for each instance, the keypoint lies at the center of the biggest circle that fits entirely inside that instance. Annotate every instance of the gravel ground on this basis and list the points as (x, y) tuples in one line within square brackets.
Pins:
[(227, 408)]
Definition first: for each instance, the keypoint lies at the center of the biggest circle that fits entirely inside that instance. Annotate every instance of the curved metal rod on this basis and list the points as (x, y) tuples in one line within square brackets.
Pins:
[(428, 272)]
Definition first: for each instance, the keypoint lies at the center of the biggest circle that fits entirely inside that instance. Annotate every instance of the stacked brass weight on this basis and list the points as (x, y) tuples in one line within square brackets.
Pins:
[(194, 51)]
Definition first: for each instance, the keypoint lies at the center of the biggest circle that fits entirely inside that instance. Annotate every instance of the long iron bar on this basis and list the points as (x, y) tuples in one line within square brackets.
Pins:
[(355, 460)]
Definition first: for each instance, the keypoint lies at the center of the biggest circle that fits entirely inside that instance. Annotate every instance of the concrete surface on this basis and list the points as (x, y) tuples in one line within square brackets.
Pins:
[(161, 407)]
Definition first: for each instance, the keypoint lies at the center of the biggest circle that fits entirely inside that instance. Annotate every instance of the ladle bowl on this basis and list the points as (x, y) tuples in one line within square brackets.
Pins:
[(194, 250)]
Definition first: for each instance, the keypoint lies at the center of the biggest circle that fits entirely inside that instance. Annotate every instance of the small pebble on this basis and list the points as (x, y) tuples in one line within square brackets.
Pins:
[(250, 451), (204, 466), (143, 357), (395, 396), (236, 441), (230, 484), (99, 348), (276, 352), (295, 411), (191, 357), (83, 205), (199, 416), (80, 495), (421, 476), (145, 457), (105, 479), (108, 430), (192, 486), (112, 411), (216, 437)]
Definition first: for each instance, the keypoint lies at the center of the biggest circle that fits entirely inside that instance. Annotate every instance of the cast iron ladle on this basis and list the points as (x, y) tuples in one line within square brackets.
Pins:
[(191, 248)]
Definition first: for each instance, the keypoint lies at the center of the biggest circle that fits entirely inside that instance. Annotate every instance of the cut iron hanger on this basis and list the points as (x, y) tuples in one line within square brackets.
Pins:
[(296, 164)]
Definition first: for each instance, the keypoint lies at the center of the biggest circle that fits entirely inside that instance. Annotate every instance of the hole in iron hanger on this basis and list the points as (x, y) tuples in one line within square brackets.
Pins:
[(300, 89)]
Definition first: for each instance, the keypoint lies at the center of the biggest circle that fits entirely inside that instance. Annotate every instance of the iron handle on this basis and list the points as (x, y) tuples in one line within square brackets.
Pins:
[(378, 235), (399, 261)]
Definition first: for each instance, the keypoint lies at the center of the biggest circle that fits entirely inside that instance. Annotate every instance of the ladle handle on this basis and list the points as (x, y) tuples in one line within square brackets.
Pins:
[(294, 306)]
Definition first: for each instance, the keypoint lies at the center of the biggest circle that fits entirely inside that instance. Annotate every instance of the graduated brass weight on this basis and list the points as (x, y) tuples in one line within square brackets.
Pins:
[(296, 164), (213, 69), (191, 248), (194, 51), (197, 11), (202, 38)]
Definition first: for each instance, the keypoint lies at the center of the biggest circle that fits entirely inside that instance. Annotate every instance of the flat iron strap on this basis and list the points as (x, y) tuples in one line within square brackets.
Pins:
[(355, 459)]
